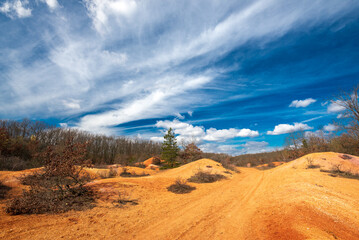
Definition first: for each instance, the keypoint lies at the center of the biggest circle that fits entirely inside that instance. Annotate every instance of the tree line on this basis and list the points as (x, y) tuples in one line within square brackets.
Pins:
[(22, 142)]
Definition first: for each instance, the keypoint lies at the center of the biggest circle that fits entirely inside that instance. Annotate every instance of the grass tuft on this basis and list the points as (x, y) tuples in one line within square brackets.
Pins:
[(205, 177), (180, 187)]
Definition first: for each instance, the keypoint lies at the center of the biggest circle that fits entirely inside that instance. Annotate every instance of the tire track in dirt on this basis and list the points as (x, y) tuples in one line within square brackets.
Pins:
[(233, 196)]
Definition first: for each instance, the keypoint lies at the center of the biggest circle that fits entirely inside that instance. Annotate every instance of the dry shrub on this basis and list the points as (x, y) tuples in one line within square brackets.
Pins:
[(156, 161), (310, 163), (3, 190), (227, 165), (205, 177), (345, 157), (125, 199), (180, 187), (336, 171), (39, 200), (60, 186)]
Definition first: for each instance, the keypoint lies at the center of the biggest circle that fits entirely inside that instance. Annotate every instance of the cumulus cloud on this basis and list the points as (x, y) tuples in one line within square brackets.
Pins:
[(330, 127), (302, 103), (287, 128), (184, 130), (237, 149), (219, 148), (16, 9), (52, 4), (335, 107), (255, 147), (213, 134), (188, 132)]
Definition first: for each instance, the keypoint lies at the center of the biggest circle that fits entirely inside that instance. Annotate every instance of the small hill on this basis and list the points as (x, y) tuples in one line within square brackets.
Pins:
[(191, 168), (328, 161)]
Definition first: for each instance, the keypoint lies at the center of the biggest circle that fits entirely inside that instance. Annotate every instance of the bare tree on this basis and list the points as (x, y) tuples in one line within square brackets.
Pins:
[(349, 101)]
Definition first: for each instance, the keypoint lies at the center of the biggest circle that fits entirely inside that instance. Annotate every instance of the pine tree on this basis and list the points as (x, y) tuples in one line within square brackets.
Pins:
[(170, 148)]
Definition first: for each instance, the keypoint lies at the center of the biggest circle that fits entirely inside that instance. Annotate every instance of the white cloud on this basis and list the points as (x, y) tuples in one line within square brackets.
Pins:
[(101, 10), (247, 148), (219, 148), (335, 107), (186, 132), (157, 139), (255, 147), (213, 134), (189, 133), (153, 104), (312, 119), (287, 128), (52, 4), (340, 115), (16, 9), (330, 127), (302, 103), (63, 125), (179, 116), (190, 113), (72, 104)]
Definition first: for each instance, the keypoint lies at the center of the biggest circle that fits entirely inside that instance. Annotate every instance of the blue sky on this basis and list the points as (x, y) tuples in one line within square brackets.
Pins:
[(234, 76)]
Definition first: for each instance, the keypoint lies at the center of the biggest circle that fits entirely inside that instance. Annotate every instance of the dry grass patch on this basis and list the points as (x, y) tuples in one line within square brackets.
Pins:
[(206, 177), (336, 171), (3, 190), (310, 163), (180, 187)]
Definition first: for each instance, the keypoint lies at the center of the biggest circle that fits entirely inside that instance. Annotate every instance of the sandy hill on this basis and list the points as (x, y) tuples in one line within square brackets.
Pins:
[(190, 169), (286, 202)]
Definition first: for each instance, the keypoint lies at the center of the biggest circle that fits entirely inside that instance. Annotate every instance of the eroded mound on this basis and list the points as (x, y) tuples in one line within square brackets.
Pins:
[(190, 169), (328, 161)]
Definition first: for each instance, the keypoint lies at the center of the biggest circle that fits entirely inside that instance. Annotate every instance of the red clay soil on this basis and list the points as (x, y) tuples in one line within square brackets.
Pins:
[(286, 202)]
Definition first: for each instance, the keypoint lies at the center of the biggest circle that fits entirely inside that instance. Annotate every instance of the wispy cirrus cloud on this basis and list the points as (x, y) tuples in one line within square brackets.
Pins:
[(102, 64)]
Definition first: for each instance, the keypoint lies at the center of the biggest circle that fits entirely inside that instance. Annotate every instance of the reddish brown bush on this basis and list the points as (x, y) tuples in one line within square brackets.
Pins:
[(59, 186)]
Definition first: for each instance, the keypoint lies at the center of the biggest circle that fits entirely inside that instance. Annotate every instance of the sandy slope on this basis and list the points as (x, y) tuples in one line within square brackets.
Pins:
[(287, 202)]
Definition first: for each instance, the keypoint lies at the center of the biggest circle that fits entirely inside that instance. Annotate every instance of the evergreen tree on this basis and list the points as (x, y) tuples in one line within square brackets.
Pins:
[(170, 148)]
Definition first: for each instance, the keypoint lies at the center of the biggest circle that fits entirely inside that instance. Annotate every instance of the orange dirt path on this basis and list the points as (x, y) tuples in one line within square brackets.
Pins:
[(286, 202)]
